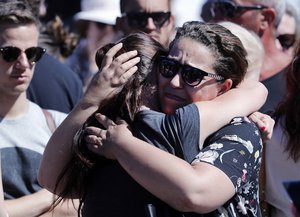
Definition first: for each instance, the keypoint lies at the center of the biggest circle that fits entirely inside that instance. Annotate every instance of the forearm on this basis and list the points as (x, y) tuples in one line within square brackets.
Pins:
[(30, 205), (240, 101), (67, 208), (59, 148), (173, 180)]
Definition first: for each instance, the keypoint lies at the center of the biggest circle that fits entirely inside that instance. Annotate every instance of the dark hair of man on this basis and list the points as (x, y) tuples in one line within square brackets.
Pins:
[(35, 6), (16, 12), (228, 50), (289, 109), (125, 105)]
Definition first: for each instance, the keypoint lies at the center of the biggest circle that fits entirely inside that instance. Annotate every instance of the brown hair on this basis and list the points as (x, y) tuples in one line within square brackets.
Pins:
[(17, 12), (289, 109), (124, 105), (231, 62)]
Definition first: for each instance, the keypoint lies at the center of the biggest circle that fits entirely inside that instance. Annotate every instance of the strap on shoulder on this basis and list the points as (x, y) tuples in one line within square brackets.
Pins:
[(50, 120)]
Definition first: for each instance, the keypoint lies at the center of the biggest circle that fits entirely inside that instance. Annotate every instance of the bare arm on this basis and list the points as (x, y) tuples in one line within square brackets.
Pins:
[(240, 101), (183, 186), (58, 152), (38, 203)]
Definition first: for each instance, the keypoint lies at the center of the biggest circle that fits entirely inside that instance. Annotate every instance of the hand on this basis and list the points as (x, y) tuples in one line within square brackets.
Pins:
[(113, 74), (265, 123), (104, 141)]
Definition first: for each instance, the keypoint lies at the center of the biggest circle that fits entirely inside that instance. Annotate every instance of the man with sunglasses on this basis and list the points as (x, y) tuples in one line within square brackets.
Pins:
[(263, 18), (288, 31), (153, 17), (23, 127)]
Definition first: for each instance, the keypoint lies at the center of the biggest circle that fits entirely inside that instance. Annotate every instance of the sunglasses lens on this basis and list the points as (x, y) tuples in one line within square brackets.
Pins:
[(286, 40), (223, 9), (167, 67), (10, 54), (191, 76), (139, 20), (159, 18), (34, 54)]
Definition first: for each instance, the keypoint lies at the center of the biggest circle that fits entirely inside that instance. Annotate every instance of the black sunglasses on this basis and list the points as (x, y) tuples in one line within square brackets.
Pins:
[(139, 20), (287, 40), (226, 9), (192, 76), (33, 54)]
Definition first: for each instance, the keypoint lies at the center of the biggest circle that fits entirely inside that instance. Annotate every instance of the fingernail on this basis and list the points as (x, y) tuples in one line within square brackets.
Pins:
[(263, 128)]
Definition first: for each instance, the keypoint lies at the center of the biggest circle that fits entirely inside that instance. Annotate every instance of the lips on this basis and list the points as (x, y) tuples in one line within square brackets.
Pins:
[(19, 77), (170, 96)]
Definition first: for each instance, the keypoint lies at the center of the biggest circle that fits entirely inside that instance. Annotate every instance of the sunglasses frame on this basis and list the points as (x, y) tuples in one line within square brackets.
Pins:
[(235, 8), (184, 70), (36, 57), (139, 20)]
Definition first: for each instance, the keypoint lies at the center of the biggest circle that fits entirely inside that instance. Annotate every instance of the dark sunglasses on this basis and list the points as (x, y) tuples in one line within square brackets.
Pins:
[(33, 54), (192, 76), (139, 20), (226, 9), (287, 40)]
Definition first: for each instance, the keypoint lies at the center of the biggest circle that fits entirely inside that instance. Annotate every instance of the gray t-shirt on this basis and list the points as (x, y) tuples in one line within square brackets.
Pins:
[(23, 141), (112, 192)]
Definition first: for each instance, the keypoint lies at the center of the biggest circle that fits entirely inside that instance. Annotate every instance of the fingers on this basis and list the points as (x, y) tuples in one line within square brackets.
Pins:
[(108, 58), (105, 121), (125, 71), (264, 122)]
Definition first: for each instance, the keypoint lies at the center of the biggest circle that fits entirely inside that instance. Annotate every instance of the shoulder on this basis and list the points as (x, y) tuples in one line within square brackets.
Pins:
[(241, 127), (58, 116)]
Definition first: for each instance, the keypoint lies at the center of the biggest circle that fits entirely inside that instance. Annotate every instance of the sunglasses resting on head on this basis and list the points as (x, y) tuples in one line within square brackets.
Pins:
[(139, 20), (11, 54), (192, 76), (226, 9)]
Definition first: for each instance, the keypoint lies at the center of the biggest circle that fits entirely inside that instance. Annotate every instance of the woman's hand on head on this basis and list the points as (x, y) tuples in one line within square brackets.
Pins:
[(113, 74), (265, 124), (105, 142)]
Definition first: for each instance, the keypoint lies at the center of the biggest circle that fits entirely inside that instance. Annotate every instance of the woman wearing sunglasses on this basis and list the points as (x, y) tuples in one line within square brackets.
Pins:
[(125, 197)]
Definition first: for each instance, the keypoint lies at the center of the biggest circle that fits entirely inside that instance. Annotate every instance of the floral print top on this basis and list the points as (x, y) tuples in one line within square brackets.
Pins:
[(236, 149)]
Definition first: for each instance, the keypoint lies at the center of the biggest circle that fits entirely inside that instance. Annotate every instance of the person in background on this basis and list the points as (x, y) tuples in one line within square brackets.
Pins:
[(54, 85), (282, 161), (64, 9), (253, 46), (288, 32), (24, 131), (262, 17), (96, 27), (153, 17)]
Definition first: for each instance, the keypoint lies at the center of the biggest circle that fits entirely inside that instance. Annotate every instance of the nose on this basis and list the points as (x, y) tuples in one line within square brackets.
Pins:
[(176, 81), (22, 61), (150, 24)]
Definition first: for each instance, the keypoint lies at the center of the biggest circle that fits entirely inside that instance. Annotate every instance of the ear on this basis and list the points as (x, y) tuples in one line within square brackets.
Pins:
[(171, 21), (267, 18), (225, 86)]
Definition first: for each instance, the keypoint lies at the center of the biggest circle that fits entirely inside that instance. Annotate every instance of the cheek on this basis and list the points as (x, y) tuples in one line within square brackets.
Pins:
[(205, 93)]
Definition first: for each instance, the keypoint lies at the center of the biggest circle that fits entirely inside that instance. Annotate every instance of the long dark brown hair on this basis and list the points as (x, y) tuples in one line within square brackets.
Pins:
[(289, 109), (125, 105)]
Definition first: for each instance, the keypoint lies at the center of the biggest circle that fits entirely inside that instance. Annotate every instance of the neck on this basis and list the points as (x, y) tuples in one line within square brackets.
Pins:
[(13, 106), (274, 59)]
